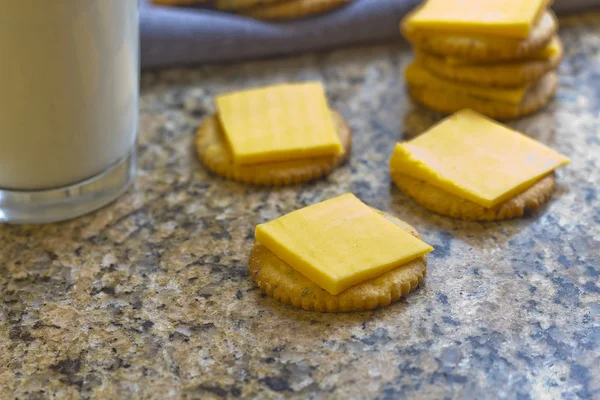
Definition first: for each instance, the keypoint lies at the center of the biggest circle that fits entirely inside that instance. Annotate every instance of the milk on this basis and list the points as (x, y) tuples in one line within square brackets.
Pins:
[(68, 89)]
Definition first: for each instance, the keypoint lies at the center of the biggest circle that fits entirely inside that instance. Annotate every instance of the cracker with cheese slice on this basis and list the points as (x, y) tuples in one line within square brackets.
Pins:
[(273, 136), (337, 255), (470, 167), (474, 46)]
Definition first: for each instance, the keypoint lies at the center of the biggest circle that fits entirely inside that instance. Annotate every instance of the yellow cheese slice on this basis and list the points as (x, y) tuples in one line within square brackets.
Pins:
[(277, 123), (505, 18), (418, 76), (551, 50), (475, 158), (340, 242)]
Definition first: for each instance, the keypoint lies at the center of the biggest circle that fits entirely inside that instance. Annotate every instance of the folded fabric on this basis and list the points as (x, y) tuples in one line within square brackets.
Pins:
[(182, 36)]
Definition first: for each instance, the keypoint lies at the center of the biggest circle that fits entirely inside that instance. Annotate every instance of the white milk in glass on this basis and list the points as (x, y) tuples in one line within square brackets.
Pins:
[(68, 90), (69, 82)]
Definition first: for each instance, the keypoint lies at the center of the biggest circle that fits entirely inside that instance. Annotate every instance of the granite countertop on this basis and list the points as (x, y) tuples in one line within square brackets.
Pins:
[(150, 296)]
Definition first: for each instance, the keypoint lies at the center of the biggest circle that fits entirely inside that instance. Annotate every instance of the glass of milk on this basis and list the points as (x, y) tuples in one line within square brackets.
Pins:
[(69, 84)]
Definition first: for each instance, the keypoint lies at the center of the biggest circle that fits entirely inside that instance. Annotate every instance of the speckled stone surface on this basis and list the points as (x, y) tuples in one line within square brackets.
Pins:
[(150, 297)]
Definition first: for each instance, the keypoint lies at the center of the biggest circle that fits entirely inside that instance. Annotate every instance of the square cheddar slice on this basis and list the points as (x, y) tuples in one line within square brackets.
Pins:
[(476, 159), (278, 123), (339, 243), (503, 18)]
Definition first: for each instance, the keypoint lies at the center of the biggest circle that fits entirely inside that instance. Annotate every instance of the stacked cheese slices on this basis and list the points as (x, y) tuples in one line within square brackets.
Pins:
[(496, 57)]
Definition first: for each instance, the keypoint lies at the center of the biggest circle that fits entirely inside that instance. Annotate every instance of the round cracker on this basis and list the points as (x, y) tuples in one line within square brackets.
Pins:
[(177, 2), (505, 74), (442, 202), (291, 9), (484, 47), (213, 151), (449, 102), (277, 279), (237, 5)]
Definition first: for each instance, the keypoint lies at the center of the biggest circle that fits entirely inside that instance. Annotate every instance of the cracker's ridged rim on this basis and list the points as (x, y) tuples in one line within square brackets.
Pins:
[(317, 299), (308, 173), (453, 206), (539, 96), (292, 9), (498, 49), (491, 74)]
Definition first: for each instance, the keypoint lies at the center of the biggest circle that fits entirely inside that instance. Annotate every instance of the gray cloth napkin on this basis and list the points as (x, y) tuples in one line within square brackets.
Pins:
[(182, 36)]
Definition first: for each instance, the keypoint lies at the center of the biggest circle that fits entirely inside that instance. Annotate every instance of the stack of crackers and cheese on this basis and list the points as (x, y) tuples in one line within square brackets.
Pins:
[(496, 57), (265, 9)]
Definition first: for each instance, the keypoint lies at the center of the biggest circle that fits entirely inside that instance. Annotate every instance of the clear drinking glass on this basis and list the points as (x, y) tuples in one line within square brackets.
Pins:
[(69, 87)]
